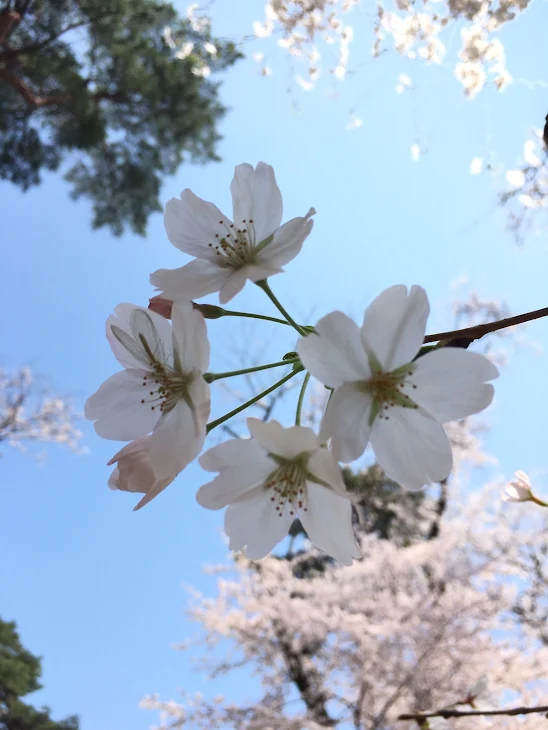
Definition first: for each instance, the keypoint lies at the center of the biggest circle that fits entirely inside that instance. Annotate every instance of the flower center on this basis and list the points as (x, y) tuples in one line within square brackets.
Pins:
[(236, 247), (166, 385), (288, 483), (386, 390)]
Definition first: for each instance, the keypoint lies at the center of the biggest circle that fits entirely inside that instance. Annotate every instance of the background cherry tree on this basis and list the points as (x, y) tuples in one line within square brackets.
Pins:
[(465, 39)]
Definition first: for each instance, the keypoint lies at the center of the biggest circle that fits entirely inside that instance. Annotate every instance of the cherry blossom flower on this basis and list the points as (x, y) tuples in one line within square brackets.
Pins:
[(252, 246), (267, 481), (161, 389), (383, 395), (518, 490), (134, 472)]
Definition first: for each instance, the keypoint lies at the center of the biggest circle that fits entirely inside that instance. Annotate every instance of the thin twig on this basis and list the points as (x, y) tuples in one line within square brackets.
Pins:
[(479, 330), (418, 716)]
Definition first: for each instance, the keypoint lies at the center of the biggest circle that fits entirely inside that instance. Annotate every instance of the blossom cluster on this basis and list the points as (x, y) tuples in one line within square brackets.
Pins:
[(386, 389), (415, 30)]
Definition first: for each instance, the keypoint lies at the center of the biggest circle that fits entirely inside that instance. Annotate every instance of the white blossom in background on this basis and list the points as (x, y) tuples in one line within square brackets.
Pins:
[(476, 166), (267, 481), (27, 416), (415, 152), (250, 247), (416, 34), (383, 395), (519, 489), (134, 472), (162, 388), (404, 629), (528, 187), (354, 122), (404, 83)]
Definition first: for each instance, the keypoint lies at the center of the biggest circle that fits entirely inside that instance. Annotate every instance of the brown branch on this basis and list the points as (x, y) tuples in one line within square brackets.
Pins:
[(479, 330), (419, 716), (38, 102), (7, 21)]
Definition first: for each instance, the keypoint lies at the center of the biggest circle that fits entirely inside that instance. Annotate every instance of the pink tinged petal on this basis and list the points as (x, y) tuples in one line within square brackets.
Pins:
[(192, 223), (134, 472), (412, 449), (346, 422), (253, 523), (175, 441), (328, 524), (394, 325), (287, 242), (323, 465), (157, 488), (334, 355), (117, 410), (192, 281), (233, 285), (450, 383), (161, 306), (241, 470), (256, 197), (190, 335)]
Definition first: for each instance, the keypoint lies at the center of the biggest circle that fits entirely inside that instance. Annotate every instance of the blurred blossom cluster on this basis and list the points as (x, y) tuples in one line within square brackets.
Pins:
[(415, 31), (25, 416)]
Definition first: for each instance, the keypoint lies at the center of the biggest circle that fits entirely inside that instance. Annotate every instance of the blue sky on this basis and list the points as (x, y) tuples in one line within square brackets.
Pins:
[(97, 589)]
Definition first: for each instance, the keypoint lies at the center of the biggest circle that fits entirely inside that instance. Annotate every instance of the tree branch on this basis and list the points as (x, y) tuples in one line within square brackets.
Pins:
[(469, 334), (7, 21), (419, 716)]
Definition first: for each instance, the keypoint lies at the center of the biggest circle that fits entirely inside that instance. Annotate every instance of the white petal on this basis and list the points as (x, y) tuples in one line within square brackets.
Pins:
[(251, 471), (121, 319), (523, 480), (287, 242), (233, 285), (253, 522), (394, 325), (117, 410), (256, 197), (346, 422), (257, 273), (190, 333), (155, 330), (191, 224), (450, 383), (334, 354), (324, 465), (192, 281), (175, 441), (199, 394), (243, 454), (328, 524), (286, 442), (412, 449)]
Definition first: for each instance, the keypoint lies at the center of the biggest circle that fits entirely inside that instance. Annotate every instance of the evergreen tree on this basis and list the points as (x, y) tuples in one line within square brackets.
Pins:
[(19, 674), (121, 89)]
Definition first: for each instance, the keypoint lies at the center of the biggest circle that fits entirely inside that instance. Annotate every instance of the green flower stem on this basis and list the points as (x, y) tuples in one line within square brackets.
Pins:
[(210, 377), (538, 501), (270, 294), (222, 419), (301, 399), (230, 313)]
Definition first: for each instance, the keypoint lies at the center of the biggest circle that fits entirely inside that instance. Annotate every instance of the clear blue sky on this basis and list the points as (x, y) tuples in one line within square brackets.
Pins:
[(95, 588)]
